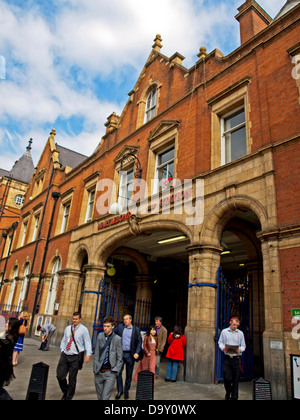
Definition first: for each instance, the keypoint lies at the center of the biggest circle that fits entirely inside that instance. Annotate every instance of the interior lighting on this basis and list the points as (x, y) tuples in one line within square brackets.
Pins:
[(226, 252), (170, 240)]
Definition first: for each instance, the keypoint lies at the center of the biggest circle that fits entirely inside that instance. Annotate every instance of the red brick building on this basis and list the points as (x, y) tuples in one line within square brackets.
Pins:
[(230, 125)]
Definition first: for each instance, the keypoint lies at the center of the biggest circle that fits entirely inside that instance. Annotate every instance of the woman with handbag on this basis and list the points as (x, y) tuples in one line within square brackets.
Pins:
[(23, 318), (175, 353)]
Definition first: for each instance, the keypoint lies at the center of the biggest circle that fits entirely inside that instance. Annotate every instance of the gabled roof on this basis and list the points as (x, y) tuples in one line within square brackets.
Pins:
[(69, 158)]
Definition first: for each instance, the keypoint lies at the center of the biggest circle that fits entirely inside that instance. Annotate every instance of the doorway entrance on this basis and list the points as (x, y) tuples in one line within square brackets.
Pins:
[(240, 292), (155, 267)]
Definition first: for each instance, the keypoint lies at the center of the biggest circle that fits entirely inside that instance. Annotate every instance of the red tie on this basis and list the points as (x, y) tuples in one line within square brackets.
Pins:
[(69, 343)]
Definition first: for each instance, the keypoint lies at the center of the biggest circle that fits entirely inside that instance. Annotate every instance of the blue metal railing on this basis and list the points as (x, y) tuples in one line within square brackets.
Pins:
[(117, 304), (234, 299), (12, 310)]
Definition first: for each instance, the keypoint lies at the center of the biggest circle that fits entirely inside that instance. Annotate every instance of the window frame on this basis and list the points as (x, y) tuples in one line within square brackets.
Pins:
[(157, 182), (224, 133), (150, 105), (65, 216)]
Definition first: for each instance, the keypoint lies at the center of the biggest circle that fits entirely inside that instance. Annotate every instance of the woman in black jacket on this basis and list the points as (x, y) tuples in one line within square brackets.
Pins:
[(6, 350)]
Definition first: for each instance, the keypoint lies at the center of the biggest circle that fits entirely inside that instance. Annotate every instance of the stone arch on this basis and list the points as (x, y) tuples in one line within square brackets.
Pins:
[(139, 260), (121, 237), (219, 216), (52, 262), (78, 256)]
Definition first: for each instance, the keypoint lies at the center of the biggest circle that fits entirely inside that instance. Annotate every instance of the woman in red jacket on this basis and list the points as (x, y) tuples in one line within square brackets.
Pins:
[(175, 353)]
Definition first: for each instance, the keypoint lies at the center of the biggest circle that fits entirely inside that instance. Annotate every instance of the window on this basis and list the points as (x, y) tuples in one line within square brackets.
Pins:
[(25, 226), (125, 187), (52, 292), (230, 124), (90, 206), (12, 287), (150, 105), (36, 226), (164, 169), (19, 199), (65, 218), (24, 283), (233, 136)]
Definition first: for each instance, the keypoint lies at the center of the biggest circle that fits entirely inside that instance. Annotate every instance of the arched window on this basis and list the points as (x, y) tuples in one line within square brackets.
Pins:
[(51, 297), (150, 108), (12, 287), (24, 283)]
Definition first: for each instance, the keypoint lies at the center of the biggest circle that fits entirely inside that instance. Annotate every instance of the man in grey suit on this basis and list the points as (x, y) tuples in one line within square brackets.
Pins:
[(108, 360)]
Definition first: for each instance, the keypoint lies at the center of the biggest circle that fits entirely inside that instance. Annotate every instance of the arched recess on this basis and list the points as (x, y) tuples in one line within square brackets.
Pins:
[(138, 259), (78, 257), (227, 209)]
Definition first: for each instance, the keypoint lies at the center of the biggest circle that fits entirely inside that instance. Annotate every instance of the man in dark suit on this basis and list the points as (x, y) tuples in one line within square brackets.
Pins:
[(108, 359), (131, 345)]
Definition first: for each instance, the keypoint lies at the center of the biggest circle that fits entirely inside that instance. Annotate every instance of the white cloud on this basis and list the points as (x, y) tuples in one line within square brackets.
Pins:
[(55, 59)]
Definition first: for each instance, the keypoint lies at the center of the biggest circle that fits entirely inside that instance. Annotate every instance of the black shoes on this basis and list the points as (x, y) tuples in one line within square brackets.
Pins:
[(118, 396)]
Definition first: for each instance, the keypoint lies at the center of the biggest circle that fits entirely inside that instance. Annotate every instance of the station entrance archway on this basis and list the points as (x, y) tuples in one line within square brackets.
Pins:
[(154, 266), (242, 267)]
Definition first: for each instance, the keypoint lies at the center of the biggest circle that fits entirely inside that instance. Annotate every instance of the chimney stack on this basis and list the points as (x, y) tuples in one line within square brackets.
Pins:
[(252, 19)]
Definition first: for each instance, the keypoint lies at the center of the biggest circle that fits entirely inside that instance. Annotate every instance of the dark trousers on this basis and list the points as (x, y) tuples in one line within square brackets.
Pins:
[(67, 365), (231, 373), (128, 360)]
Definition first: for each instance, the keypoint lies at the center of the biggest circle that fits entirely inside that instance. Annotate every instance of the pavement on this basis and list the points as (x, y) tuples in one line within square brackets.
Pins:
[(85, 390)]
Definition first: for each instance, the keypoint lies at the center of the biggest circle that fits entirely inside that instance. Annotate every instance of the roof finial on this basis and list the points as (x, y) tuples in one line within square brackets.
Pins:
[(157, 43), (28, 148)]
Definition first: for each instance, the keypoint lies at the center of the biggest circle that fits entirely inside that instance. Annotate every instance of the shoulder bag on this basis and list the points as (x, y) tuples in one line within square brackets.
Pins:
[(80, 353)]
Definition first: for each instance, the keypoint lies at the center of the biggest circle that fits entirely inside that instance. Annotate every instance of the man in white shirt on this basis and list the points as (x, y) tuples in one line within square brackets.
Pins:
[(232, 343), (75, 342)]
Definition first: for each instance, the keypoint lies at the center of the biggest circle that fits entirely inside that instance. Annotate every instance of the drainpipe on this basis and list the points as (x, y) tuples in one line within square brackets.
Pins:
[(55, 196), (40, 227)]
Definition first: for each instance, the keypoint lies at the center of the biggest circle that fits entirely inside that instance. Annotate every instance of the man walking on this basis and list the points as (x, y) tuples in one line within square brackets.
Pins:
[(47, 331), (131, 346), (232, 343), (108, 359), (75, 342), (162, 335)]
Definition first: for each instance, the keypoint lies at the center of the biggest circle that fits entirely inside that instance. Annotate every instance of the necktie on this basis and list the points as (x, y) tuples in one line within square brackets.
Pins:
[(69, 343), (107, 352)]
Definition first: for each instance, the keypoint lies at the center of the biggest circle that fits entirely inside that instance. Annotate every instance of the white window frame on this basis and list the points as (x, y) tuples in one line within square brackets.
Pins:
[(150, 107), (25, 227), (24, 283), (90, 205), (65, 218), (157, 182), (53, 285), (225, 159), (36, 227), (12, 287), (125, 186)]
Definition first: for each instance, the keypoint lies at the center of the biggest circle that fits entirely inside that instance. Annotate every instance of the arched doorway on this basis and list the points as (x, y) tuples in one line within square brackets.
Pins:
[(154, 265), (241, 264)]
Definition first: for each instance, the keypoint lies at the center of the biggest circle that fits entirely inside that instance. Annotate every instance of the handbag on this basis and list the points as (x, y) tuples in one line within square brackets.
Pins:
[(80, 353), (43, 345), (22, 330)]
